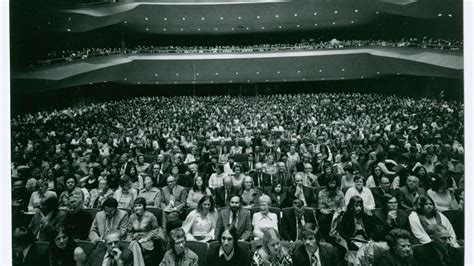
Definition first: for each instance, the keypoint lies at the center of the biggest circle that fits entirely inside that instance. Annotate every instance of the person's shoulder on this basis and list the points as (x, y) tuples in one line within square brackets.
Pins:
[(191, 254), (327, 246), (121, 213)]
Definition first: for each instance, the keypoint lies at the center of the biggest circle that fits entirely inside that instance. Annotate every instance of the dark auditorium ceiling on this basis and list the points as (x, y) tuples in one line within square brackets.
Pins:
[(199, 17)]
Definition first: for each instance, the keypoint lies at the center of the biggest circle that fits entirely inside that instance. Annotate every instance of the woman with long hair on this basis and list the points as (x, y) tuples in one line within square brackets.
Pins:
[(279, 195), (198, 191), (374, 179), (200, 224), (426, 214), (64, 251), (272, 253), (248, 192)]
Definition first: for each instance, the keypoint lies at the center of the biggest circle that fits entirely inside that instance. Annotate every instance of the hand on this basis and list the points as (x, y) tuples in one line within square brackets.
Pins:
[(117, 254)]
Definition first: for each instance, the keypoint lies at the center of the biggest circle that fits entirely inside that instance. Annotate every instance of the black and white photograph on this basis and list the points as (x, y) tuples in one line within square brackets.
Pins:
[(236, 132)]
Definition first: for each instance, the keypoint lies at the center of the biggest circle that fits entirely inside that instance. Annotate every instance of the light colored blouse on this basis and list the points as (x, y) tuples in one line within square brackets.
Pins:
[(125, 200), (261, 222), (443, 201), (37, 197), (420, 233), (194, 197), (196, 225), (216, 181)]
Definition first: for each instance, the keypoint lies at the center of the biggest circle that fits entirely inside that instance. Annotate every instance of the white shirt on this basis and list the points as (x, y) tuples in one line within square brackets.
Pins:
[(365, 194), (316, 253), (260, 222)]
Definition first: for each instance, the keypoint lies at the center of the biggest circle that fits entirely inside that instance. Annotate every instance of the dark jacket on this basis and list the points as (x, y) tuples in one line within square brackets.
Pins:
[(309, 195), (37, 255), (288, 223), (347, 226), (401, 221), (79, 224), (239, 258), (220, 196), (327, 255), (266, 179), (390, 259), (426, 254), (378, 193), (285, 199)]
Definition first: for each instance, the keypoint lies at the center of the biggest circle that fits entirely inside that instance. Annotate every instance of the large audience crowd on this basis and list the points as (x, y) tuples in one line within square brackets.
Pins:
[(317, 179), (70, 55)]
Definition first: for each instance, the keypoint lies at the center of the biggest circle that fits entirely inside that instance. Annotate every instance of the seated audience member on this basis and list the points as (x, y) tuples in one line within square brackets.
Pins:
[(229, 165), (423, 177), (439, 251), (217, 178), (92, 180), (309, 179), (382, 189), (125, 195), (151, 194), (374, 179), (200, 224), (330, 201), (142, 166), (283, 174), (45, 222), (196, 193), (260, 179), (400, 252), (77, 222), (356, 226), (347, 180), (99, 195), (37, 196), (293, 219), (426, 214), (237, 216), (306, 158), (110, 218), (390, 216), (173, 200), (71, 190), (272, 252), (313, 251), (112, 253), (270, 166), (359, 190), (442, 194), (279, 195), (228, 252), (457, 217), (64, 251), (249, 193), (157, 175), (25, 252), (178, 253), (238, 177), (143, 230), (224, 193), (305, 194), (264, 218), (410, 193)]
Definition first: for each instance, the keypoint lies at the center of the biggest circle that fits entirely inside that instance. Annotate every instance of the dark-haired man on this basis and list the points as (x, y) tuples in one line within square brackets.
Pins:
[(110, 218), (313, 251), (236, 216)]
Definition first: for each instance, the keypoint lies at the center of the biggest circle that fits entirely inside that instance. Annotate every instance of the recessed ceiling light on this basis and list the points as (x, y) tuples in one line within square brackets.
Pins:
[(376, 12), (247, 28), (449, 15)]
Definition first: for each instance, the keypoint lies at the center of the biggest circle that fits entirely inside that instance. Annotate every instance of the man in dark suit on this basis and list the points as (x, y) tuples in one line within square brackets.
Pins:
[(439, 252), (77, 220), (293, 220), (237, 216), (260, 179), (25, 251), (381, 190), (283, 174), (111, 253), (313, 251), (410, 193), (304, 193), (224, 193)]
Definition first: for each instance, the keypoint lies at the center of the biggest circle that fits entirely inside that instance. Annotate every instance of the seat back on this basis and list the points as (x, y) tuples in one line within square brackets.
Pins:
[(159, 215), (200, 249), (241, 158), (92, 212), (87, 246)]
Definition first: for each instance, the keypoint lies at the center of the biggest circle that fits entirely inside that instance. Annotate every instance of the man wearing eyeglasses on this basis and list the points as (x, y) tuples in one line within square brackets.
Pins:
[(438, 252), (179, 254), (112, 254)]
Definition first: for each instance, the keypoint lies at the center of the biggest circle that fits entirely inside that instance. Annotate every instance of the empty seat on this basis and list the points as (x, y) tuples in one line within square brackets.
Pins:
[(200, 249), (159, 215)]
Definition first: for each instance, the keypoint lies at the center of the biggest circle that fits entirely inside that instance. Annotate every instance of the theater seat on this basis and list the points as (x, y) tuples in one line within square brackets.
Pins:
[(241, 158), (92, 212), (200, 249), (159, 216), (87, 246)]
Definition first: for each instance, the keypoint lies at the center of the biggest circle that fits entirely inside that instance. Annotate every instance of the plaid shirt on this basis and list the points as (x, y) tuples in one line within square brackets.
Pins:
[(333, 203)]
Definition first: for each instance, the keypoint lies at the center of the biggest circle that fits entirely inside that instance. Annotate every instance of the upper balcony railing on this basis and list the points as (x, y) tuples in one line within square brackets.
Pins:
[(68, 56)]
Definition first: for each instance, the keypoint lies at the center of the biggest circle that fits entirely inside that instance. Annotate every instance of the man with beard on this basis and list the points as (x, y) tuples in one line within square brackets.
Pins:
[(438, 252), (77, 220), (228, 252), (313, 251), (236, 216), (400, 253), (179, 254), (330, 200), (293, 219)]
